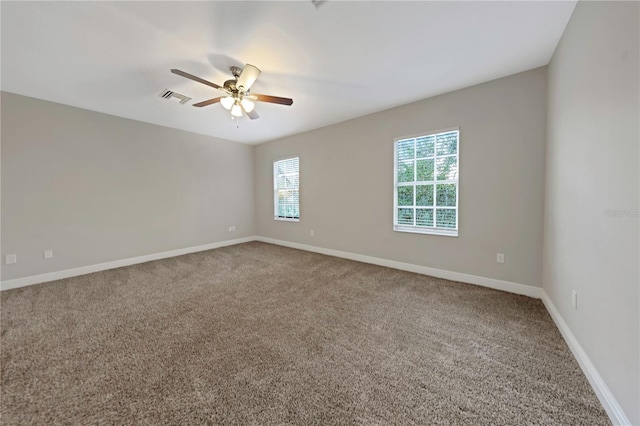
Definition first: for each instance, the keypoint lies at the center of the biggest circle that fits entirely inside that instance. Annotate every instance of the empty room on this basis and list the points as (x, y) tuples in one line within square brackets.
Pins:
[(320, 212)]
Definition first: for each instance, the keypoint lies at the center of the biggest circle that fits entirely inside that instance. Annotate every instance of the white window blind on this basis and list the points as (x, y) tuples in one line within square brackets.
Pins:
[(426, 183), (286, 183)]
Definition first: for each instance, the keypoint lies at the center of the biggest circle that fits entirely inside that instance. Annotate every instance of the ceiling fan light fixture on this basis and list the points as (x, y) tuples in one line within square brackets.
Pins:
[(235, 92), (236, 111), (247, 105), (227, 102)]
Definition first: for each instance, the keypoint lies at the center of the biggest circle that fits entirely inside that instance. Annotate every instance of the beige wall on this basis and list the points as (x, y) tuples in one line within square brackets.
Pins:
[(592, 166), (346, 175), (97, 188)]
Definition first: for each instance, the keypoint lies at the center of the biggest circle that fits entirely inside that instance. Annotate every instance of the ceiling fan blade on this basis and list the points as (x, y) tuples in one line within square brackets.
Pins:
[(252, 114), (194, 78), (271, 99), (248, 76), (208, 102)]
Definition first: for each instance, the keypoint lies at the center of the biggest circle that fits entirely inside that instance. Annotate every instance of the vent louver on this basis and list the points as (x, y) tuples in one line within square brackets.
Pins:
[(175, 97)]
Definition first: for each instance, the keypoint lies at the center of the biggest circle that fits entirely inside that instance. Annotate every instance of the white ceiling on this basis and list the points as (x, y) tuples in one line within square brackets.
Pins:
[(339, 61)]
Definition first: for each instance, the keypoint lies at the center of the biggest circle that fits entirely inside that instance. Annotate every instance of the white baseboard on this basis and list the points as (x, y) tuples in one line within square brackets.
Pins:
[(511, 287), (68, 273), (608, 401), (440, 273)]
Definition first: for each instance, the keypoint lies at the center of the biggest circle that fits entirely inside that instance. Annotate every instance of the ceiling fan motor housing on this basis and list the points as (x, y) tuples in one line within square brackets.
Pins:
[(230, 85)]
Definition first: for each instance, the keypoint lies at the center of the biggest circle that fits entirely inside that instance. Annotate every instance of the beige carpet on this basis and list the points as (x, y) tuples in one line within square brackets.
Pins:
[(261, 334)]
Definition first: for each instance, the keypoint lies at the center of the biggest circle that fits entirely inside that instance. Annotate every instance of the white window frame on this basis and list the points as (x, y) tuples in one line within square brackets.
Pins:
[(276, 216), (451, 232)]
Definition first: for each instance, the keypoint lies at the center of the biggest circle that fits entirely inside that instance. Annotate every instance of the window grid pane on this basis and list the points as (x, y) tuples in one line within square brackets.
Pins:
[(445, 218), (425, 146), (447, 168), (424, 217), (424, 195), (424, 170), (406, 150), (405, 216), (447, 143), (446, 195), (405, 195), (406, 171)]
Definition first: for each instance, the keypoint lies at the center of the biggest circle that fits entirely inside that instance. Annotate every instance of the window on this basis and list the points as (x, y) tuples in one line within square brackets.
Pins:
[(426, 184), (286, 189)]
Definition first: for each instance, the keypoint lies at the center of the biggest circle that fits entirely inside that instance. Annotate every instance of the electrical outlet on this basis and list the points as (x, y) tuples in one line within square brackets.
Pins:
[(574, 299), (313, 233), (232, 228), (500, 258), (48, 254), (10, 259)]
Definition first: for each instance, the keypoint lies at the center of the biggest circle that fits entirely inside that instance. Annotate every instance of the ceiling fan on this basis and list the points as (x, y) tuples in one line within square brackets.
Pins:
[(238, 99)]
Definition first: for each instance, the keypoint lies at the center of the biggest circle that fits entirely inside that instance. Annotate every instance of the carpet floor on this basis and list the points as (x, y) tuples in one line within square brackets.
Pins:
[(257, 334)]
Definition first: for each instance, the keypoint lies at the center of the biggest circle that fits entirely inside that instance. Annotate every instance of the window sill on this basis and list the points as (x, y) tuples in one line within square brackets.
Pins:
[(286, 219), (430, 231)]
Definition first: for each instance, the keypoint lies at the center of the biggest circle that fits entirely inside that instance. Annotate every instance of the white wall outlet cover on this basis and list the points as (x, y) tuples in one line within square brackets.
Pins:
[(500, 258), (574, 299), (312, 233), (10, 259), (48, 254), (232, 228)]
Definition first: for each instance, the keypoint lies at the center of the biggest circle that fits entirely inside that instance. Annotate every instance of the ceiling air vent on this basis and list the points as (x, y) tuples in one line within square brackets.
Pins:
[(175, 97)]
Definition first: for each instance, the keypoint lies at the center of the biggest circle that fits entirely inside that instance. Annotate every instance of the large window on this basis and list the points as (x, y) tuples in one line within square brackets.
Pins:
[(286, 185), (426, 183)]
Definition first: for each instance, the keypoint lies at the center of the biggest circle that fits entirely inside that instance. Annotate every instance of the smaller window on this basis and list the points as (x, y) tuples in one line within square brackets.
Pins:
[(286, 189)]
